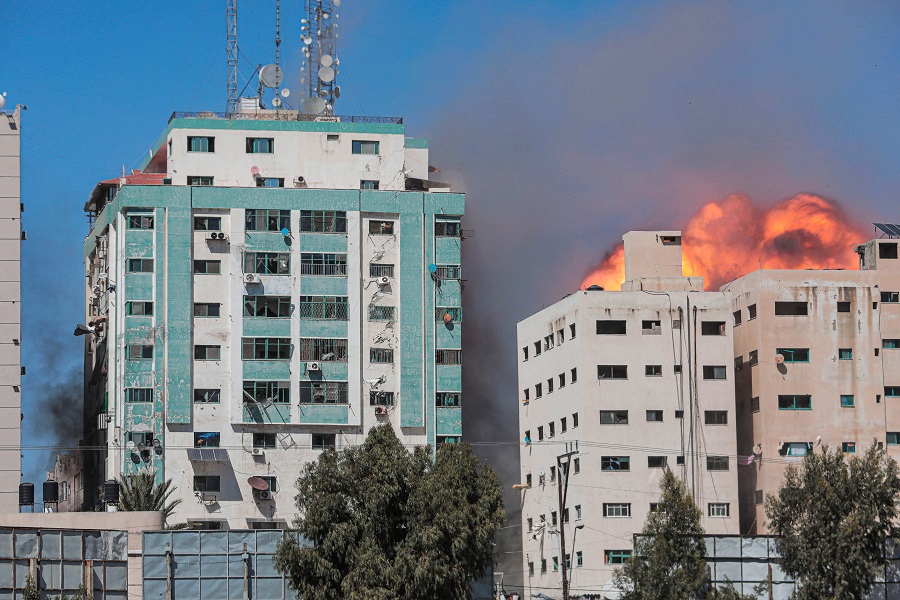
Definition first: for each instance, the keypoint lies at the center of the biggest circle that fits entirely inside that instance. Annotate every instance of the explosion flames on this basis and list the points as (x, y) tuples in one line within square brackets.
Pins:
[(732, 237)]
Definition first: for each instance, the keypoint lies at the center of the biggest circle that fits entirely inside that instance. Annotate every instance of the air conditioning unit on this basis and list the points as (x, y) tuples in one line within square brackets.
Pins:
[(263, 494), (216, 235), (257, 452), (313, 366), (381, 410), (384, 280), (251, 278), (300, 181)]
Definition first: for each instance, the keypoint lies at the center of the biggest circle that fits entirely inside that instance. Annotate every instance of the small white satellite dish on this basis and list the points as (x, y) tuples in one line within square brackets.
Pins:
[(303, 20), (757, 449), (326, 74), (2, 100), (129, 445), (271, 75), (313, 106), (336, 2), (276, 101), (326, 60), (285, 93), (779, 358), (337, 91), (307, 40)]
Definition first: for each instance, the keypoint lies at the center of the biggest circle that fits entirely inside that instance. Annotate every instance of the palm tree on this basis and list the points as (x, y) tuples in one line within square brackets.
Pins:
[(139, 491)]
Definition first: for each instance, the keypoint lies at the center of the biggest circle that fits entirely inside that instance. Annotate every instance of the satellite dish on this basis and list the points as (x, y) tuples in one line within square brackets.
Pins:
[(326, 60), (2, 100), (448, 318), (285, 93), (276, 101), (757, 449), (271, 75), (254, 170), (285, 232), (258, 483), (337, 91), (432, 268), (336, 2), (326, 74), (779, 358), (129, 445), (313, 106), (307, 40)]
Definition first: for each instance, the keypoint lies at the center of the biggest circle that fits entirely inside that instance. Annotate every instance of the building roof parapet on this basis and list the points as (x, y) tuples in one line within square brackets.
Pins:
[(284, 115)]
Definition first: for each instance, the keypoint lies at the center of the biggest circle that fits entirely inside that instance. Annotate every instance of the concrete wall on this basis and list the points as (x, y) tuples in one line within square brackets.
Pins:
[(10, 309)]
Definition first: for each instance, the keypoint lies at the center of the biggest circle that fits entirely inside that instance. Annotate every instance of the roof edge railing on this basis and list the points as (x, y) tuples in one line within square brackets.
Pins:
[(283, 116)]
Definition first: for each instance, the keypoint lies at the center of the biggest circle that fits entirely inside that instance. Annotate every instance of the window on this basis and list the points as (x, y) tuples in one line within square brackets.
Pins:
[(207, 396), (793, 355), (848, 447), (572, 331), (368, 184), (845, 354), (890, 297), (543, 566), (751, 312), (207, 267), (447, 229), (614, 417), (448, 357), (847, 401), (794, 402), (579, 559), (382, 270), (323, 308), (563, 425), (656, 462), (261, 219), (795, 449), (574, 374), (530, 564), (138, 351), (791, 309), (538, 390), (381, 398), (677, 369), (201, 144), (716, 417), (843, 307), (448, 272), (562, 380), (550, 386), (612, 372), (576, 465), (254, 348), (537, 348), (616, 510), (278, 392), (207, 483), (382, 313), (651, 328), (718, 509), (754, 404), (381, 355), (323, 392), (202, 352), (736, 315), (324, 441), (139, 221), (616, 557), (893, 438), (260, 145), (753, 358), (207, 223), (525, 354), (716, 463), (267, 263), (611, 327), (548, 342), (199, 180), (654, 507), (381, 228), (207, 439), (527, 392), (448, 399), (267, 306), (552, 429), (679, 414), (891, 344), (653, 370), (738, 363), (574, 420), (555, 564), (325, 349), (615, 463), (140, 265), (712, 328), (887, 250), (207, 309), (135, 309), (654, 416), (540, 433), (758, 497), (892, 391), (323, 264), (679, 460), (364, 147), (270, 182), (323, 221), (713, 372), (138, 394)]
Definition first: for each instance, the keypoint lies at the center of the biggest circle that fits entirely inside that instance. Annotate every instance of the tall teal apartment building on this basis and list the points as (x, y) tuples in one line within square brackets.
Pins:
[(266, 287)]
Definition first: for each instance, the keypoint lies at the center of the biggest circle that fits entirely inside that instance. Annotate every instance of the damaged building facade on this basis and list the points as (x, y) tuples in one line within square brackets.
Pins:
[(268, 287)]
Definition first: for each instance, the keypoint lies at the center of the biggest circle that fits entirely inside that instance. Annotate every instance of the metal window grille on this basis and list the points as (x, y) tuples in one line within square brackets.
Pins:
[(323, 392), (616, 510), (138, 394), (323, 307), (335, 349), (719, 509), (379, 270), (323, 264), (381, 398), (449, 272), (448, 399), (323, 221), (266, 349), (382, 313), (448, 357), (381, 355), (455, 313)]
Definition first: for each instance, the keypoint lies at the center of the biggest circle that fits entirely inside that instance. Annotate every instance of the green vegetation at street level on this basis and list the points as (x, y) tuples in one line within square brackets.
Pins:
[(383, 523), (140, 491)]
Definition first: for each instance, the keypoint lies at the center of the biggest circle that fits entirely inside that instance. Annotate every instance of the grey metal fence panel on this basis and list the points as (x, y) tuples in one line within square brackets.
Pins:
[(782, 591), (269, 589), (71, 545), (26, 544), (728, 547), (265, 566), (214, 566), (6, 574), (267, 541), (755, 548), (117, 576), (755, 571), (154, 588), (237, 539), (235, 565), (186, 588), (155, 543), (186, 542), (728, 570), (154, 566), (214, 588), (214, 542), (71, 575), (186, 567), (51, 578), (51, 545), (6, 543), (22, 569), (235, 589)]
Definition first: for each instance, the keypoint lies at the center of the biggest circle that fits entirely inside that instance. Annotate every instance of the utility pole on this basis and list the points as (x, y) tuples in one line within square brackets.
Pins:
[(562, 487)]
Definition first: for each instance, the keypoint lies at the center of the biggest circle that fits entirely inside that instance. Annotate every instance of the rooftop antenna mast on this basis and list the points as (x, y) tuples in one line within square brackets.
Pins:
[(231, 36), (318, 32), (277, 52)]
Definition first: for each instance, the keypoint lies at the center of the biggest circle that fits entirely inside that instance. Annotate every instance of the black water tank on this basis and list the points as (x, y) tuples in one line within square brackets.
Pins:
[(26, 494), (51, 491), (111, 491)]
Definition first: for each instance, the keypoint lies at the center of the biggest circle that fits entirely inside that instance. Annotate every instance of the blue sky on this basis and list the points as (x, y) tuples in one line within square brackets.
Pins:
[(566, 123)]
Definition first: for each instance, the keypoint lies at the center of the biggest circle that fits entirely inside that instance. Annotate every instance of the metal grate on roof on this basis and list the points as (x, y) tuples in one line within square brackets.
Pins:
[(207, 455)]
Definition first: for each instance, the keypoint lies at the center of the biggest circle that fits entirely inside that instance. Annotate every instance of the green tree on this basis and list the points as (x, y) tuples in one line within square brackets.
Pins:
[(832, 518), (384, 523), (30, 591), (140, 491)]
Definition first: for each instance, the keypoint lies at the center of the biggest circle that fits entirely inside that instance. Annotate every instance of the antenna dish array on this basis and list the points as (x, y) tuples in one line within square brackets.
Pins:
[(318, 32)]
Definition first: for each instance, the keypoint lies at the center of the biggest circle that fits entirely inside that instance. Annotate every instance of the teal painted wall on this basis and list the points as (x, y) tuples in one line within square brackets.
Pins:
[(266, 327), (323, 286), (449, 421), (139, 286), (330, 371), (266, 413), (448, 337), (324, 414), (323, 242), (412, 304), (265, 241), (447, 250), (449, 378), (279, 370), (179, 309), (315, 328)]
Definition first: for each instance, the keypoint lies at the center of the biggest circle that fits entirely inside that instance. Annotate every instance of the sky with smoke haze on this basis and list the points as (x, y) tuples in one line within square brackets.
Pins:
[(566, 124)]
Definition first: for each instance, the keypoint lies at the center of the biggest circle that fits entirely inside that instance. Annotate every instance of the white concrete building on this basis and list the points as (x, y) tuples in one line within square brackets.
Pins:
[(639, 380), (10, 308), (267, 287)]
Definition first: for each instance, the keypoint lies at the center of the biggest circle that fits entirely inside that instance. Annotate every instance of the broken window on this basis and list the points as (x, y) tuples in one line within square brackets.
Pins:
[(448, 399), (382, 313), (324, 392), (611, 327), (753, 358), (381, 355), (207, 483), (268, 263), (263, 219), (138, 221), (615, 463), (612, 371), (207, 439), (793, 355), (794, 448), (135, 309), (378, 398), (139, 351), (525, 353), (614, 417), (448, 357), (323, 349), (323, 221), (794, 402), (712, 327), (207, 223), (654, 416), (381, 227), (548, 342), (651, 328), (207, 396), (324, 441), (791, 309), (267, 306)]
